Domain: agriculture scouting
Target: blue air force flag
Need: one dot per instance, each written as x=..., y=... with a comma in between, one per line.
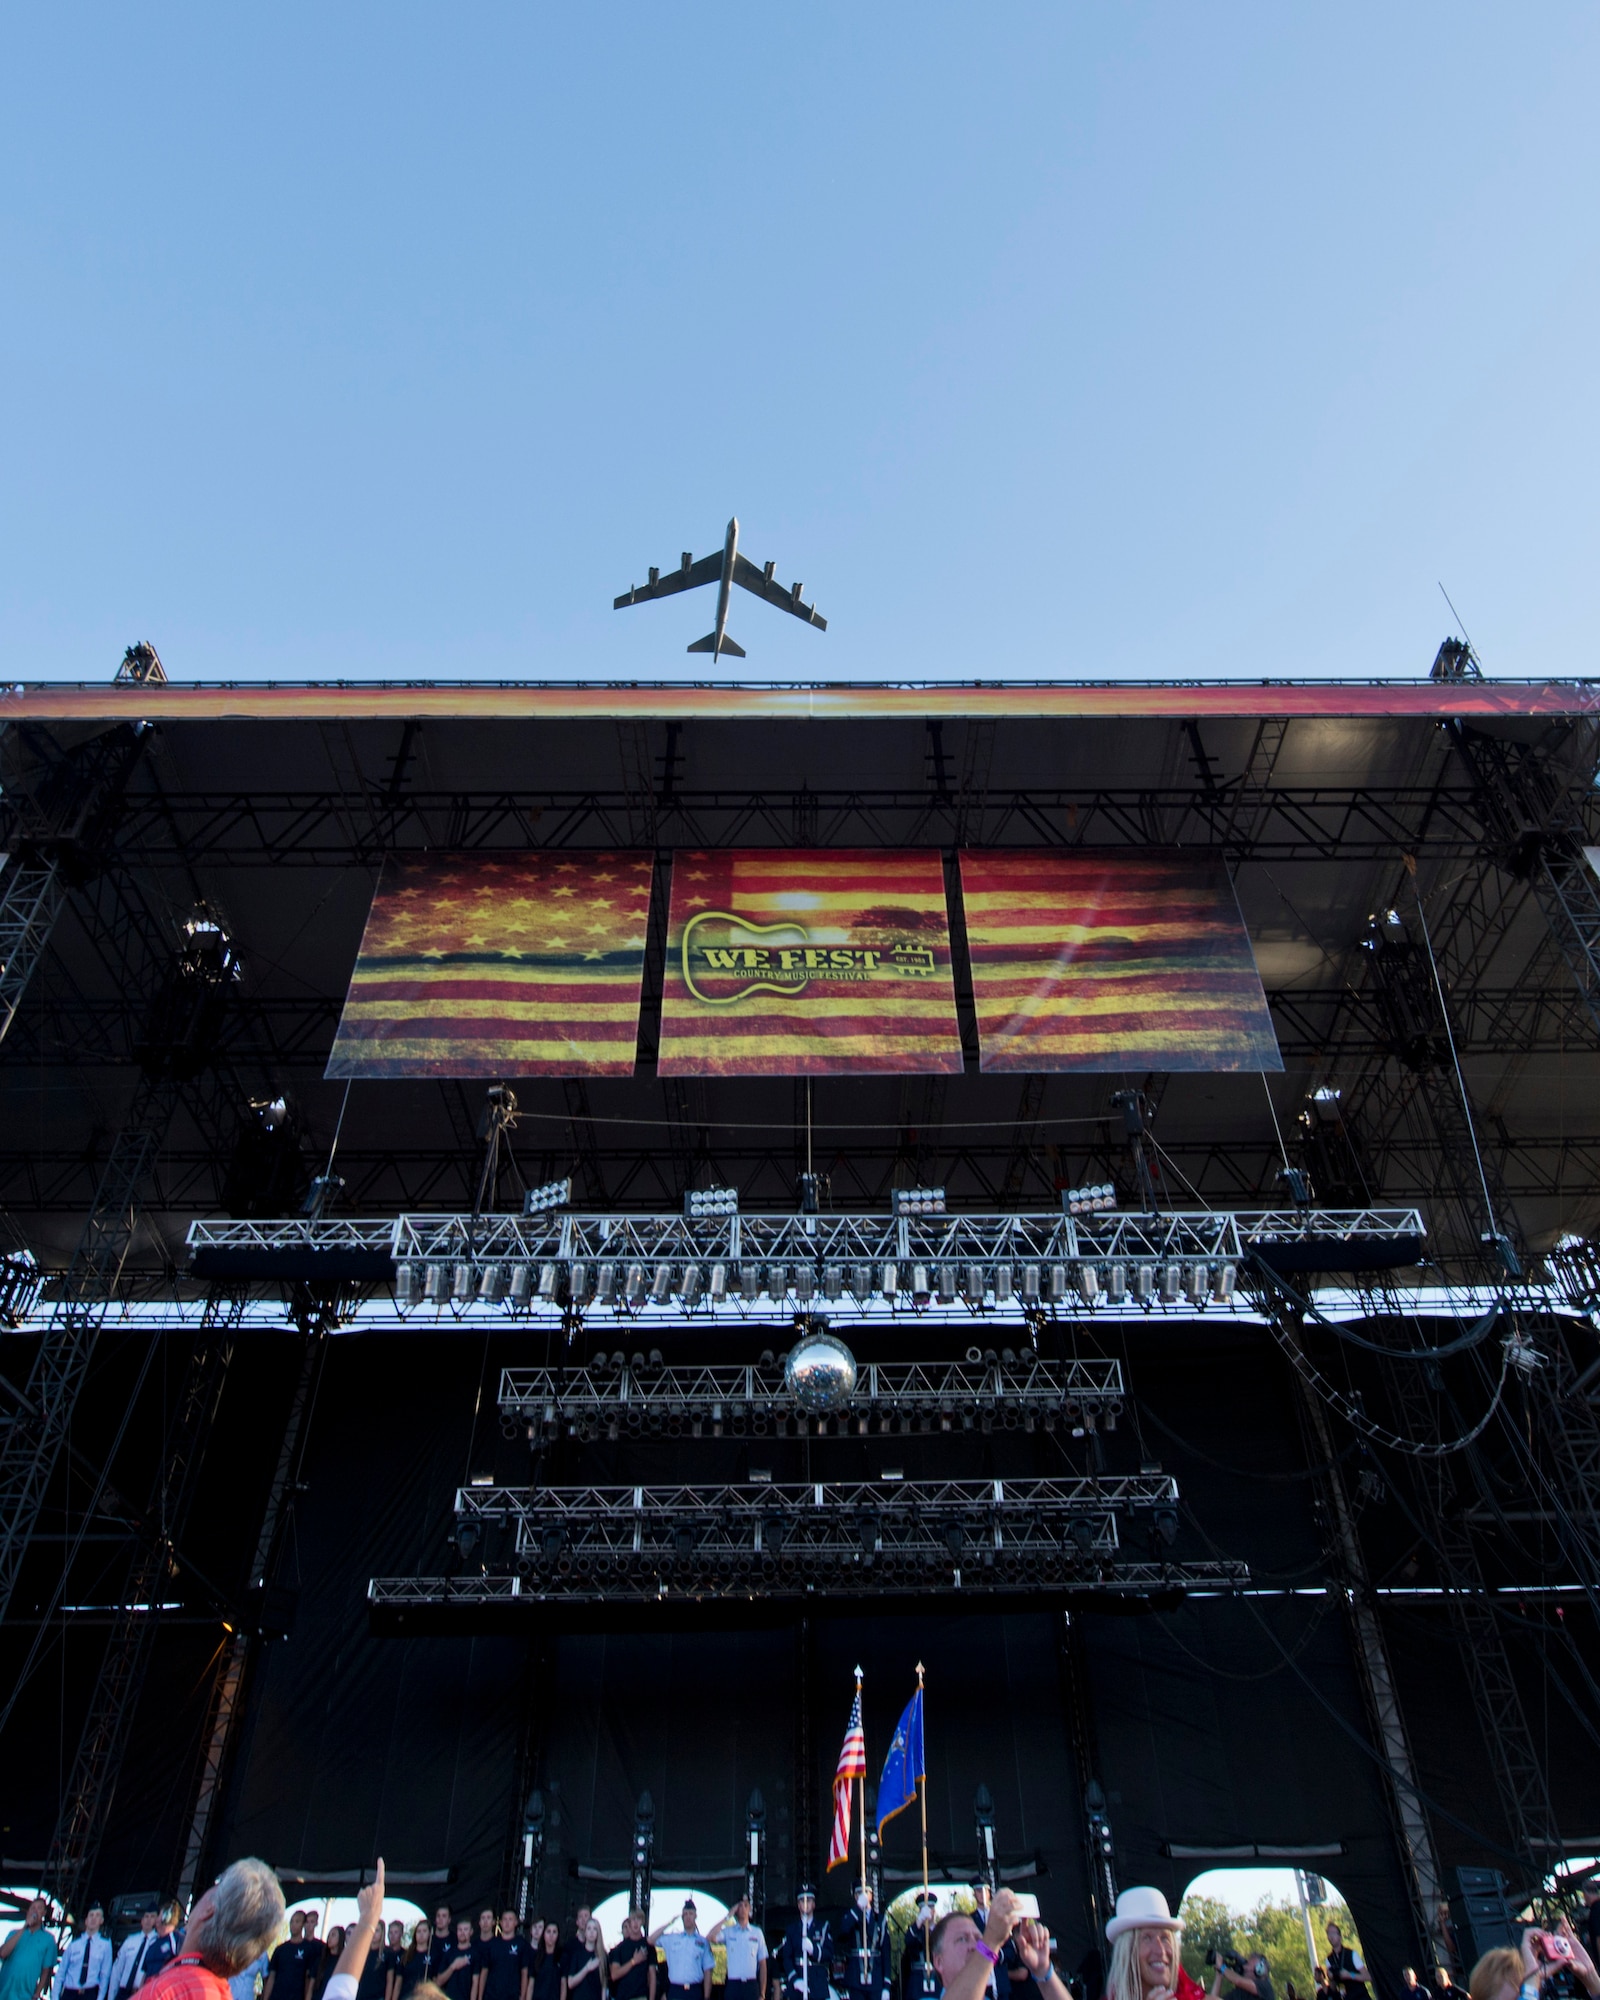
x=903, y=1766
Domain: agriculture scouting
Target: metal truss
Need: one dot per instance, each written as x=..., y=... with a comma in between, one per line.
x=773, y=1267
x=1536, y=803
x=1413, y=1834
x=125, y=1663
x=464, y=1596
x=286, y=1032
x=399, y=1177
x=226, y=1699
x=630, y=1398
x=586, y=1544
x=1519, y=1772
x=31, y=895
x=33, y=1441
x=319, y=828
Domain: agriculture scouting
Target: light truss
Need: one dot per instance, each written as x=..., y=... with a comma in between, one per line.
x=630, y=1397
x=394, y=1599
x=319, y=828
x=599, y=1544
x=289, y=1031
x=779, y=1267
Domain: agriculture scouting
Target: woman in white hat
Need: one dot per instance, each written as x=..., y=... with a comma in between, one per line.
x=1143, y=1936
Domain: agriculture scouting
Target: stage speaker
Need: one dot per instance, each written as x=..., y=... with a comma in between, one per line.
x=1482, y=1916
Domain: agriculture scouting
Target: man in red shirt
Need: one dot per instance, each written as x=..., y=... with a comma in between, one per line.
x=229, y=1928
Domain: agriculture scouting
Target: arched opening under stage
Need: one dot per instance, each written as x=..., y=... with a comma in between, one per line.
x=666, y=1906
x=1267, y=1909
x=902, y=1910
x=341, y=1910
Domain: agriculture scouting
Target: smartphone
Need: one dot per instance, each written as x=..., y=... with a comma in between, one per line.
x=1028, y=1906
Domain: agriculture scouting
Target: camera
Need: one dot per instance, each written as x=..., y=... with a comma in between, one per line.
x=1551, y=1948
x=1230, y=1959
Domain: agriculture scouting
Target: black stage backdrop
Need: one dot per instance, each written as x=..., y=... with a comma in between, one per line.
x=1223, y=1723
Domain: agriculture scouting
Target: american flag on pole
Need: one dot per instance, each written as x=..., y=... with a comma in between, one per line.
x=852, y=1765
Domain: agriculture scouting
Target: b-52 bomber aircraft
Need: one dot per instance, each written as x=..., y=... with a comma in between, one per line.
x=726, y=567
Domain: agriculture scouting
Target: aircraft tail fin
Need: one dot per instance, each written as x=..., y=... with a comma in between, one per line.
x=709, y=645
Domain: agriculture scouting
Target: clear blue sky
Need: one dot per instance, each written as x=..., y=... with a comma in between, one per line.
x=1071, y=340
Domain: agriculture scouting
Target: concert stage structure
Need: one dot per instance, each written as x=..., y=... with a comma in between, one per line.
x=426, y=1442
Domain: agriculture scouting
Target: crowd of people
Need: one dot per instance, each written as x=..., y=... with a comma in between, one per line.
x=234, y=1947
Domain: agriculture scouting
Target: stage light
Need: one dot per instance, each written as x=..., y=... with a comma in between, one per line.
x=1058, y=1283
x=890, y=1285
x=804, y=1283
x=947, y=1284
x=1198, y=1284
x=578, y=1283
x=1222, y=1285
x=700, y=1204
x=1144, y=1281
x=693, y=1284
x=1166, y=1524
x=809, y=1194
x=492, y=1285
x=606, y=1283
x=1298, y=1184
x=750, y=1281
x=974, y=1284
x=1171, y=1283
x=552, y=1194
x=778, y=1282
x=918, y=1201
x=461, y=1282
x=718, y=1286
x=921, y=1290
x=520, y=1284
x=833, y=1281
x=324, y=1189
x=661, y=1285
x=1032, y=1276
x=405, y=1284
x=435, y=1283
x=1117, y=1283
x=861, y=1281
x=1089, y=1200
x=466, y=1537
x=1004, y=1283
x=549, y=1281
x=1088, y=1283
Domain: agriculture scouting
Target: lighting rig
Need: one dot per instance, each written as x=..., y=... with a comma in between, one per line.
x=783, y=1267
x=887, y=1537
x=621, y=1395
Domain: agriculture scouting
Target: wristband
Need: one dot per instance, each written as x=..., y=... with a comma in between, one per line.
x=992, y=1956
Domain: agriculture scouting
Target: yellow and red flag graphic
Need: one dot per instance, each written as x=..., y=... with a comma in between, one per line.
x=808, y=962
x=499, y=965
x=1112, y=960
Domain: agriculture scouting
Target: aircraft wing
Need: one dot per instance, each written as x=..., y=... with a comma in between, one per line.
x=707, y=570
x=758, y=580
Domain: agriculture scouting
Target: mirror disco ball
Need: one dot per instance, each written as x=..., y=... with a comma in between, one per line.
x=820, y=1373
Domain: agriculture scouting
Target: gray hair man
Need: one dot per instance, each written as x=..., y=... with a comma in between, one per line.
x=233, y=1923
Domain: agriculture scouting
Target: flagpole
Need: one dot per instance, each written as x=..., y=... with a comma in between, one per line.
x=863, y=1785
x=922, y=1795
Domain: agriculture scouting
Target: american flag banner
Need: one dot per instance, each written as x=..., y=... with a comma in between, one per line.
x=808, y=962
x=852, y=1765
x=480, y=964
x=1105, y=960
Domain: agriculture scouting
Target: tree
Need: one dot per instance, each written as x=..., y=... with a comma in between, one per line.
x=1273, y=1929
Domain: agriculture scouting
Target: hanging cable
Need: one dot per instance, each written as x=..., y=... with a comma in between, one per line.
x=338, y=1127
x=1355, y=1416
x=1455, y=1059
